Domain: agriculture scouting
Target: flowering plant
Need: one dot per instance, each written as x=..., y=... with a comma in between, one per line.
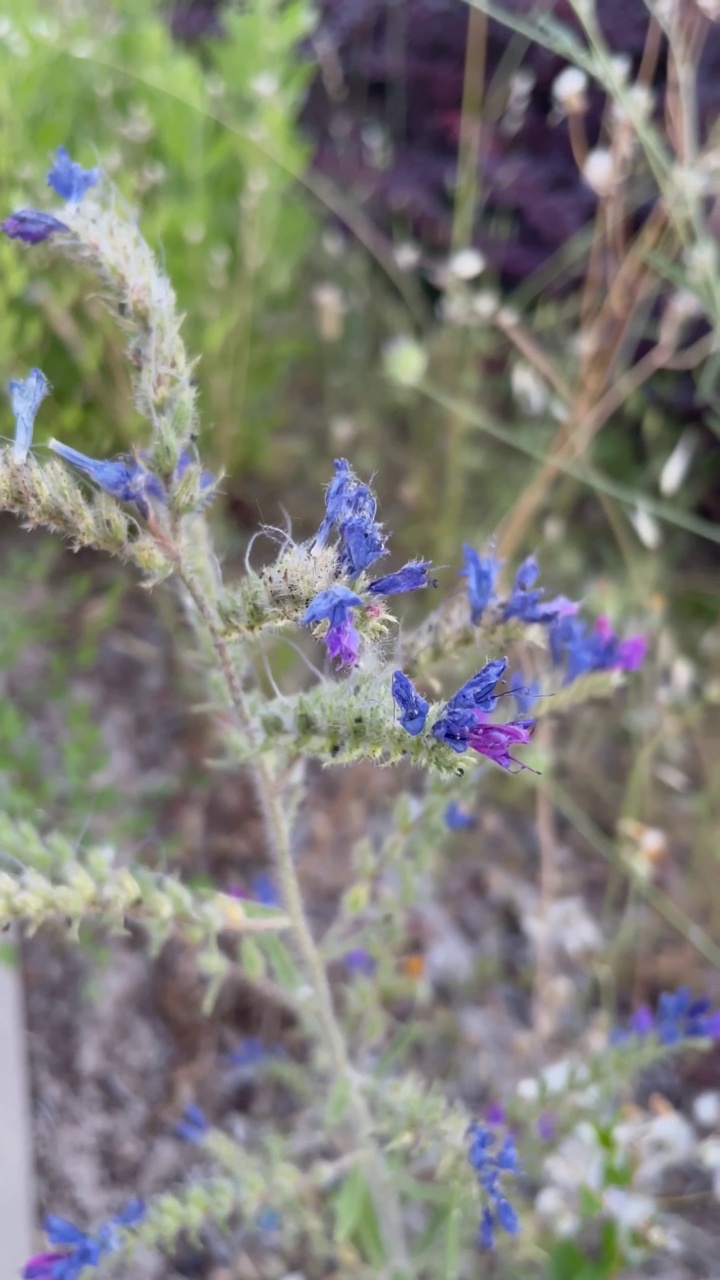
x=390, y=1138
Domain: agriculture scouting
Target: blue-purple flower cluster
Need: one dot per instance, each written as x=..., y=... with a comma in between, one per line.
x=463, y=722
x=72, y=1250
x=678, y=1017
x=572, y=645
x=70, y=181
x=350, y=509
x=490, y=1162
x=581, y=651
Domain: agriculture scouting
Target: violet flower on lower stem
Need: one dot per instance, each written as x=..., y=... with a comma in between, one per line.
x=335, y=605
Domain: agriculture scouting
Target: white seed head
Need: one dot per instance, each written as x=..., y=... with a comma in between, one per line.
x=569, y=91
x=647, y=528
x=529, y=391
x=678, y=464
x=466, y=264
x=599, y=171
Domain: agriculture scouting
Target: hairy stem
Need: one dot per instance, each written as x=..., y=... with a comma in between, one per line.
x=387, y=1206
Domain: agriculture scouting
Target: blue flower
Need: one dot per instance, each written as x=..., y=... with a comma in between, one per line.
x=264, y=890
x=268, y=1221
x=481, y=573
x=69, y=179
x=334, y=605
x=457, y=819
x=490, y=1163
x=413, y=707
x=31, y=226
x=526, y=604
x=250, y=1053
x=362, y=544
x=193, y=1126
x=464, y=723
x=460, y=717
x=345, y=498
x=409, y=578
x=678, y=1017
x=124, y=478
x=26, y=396
x=78, y=1249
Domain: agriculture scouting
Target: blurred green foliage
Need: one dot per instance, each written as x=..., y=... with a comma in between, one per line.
x=208, y=143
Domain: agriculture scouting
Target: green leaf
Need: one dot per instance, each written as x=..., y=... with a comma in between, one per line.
x=356, y=1221
x=252, y=959
x=337, y=1103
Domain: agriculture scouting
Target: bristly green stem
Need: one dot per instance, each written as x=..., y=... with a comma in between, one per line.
x=385, y=1200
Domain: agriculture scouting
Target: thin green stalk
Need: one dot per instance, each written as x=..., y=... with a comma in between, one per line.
x=385, y=1200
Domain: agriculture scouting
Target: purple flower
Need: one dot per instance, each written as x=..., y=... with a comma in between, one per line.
x=598, y=650
x=123, y=477
x=341, y=640
x=490, y=1162
x=495, y=740
x=358, y=960
x=42, y=1266
x=31, y=225
x=481, y=573
x=463, y=724
x=343, y=644
x=546, y=1126
x=495, y=1113
x=525, y=603
x=193, y=1126
x=458, y=820
x=409, y=578
x=362, y=544
x=26, y=396
x=413, y=707
x=69, y=179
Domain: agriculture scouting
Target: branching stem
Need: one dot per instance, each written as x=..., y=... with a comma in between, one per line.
x=387, y=1206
